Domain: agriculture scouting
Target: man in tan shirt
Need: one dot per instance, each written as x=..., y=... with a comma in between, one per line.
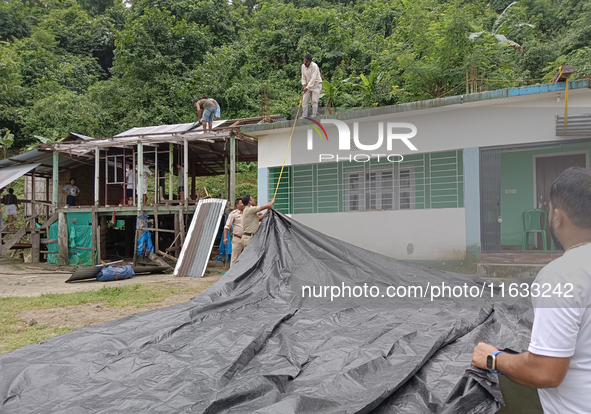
x=312, y=84
x=235, y=219
x=251, y=219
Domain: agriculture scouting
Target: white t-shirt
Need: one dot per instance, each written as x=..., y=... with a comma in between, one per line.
x=562, y=328
x=129, y=178
x=145, y=176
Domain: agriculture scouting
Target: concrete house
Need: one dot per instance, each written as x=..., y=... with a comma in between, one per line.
x=481, y=161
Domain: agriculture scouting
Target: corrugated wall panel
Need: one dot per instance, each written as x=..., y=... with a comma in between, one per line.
x=200, y=237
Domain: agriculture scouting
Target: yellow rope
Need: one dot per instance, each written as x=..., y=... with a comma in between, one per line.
x=565, y=103
x=287, y=151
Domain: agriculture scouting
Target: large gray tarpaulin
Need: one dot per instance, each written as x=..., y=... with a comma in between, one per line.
x=250, y=344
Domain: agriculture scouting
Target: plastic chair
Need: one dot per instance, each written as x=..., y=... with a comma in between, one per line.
x=533, y=224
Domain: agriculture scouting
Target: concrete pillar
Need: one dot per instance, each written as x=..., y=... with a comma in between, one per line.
x=472, y=202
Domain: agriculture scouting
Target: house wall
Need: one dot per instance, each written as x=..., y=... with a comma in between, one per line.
x=416, y=235
x=519, y=120
x=517, y=173
x=443, y=235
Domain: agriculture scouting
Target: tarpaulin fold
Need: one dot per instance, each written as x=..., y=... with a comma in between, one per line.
x=251, y=344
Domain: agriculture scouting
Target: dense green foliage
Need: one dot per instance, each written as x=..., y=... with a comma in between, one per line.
x=99, y=67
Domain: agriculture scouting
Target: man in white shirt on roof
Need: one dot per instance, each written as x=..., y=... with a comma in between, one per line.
x=558, y=361
x=312, y=84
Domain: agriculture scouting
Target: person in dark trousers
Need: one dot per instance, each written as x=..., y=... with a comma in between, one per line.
x=72, y=192
x=10, y=202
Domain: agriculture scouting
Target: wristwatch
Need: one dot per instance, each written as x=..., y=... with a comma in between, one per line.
x=491, y=362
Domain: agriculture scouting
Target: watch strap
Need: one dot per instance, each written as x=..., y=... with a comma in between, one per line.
x=494, y=371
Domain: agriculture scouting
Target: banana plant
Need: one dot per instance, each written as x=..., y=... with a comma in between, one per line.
x=6, y=141
x=499, y=30
x=369, y=86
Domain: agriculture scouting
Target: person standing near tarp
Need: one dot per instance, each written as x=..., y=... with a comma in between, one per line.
x=10, y=202
x=558, y=361
x=72, y=192
x=235, y=222
x=209, y=109
x=312, y=84
x=250, y=218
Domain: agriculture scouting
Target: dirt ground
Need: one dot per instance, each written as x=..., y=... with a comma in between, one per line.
x=18, y=279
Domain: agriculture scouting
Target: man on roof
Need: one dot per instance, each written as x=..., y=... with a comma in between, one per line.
x=209, y=108
x=312, y=84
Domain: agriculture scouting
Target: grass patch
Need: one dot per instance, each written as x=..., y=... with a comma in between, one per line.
x=15, y=333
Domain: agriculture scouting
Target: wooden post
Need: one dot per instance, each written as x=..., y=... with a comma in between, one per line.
x=226, y=178
x=46, y=196
x=194, y=182
x=62, y=240
x=176, y=234
x=35, y=235
x=134, y=176
x=156, y=181
x=97, y=171
x=186, y=171
x=98, y=244
x=156, y=234
x=94, y=234
x=170, y=169
x=104, y=228
x=232, y=168
x=56, y=177
x=182, y=226
x=140, y=176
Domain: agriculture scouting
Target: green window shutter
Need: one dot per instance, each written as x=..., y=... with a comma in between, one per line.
x=444, y=167
x=283, y=198
x=327, y=187
x=303, y=189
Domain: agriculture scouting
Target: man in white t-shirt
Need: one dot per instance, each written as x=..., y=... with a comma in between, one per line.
x=558, y=361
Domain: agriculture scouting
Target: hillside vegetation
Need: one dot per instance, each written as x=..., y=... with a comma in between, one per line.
x=99, y=67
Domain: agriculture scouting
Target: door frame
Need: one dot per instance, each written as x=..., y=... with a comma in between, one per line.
x=535, y=172
x=556, y=154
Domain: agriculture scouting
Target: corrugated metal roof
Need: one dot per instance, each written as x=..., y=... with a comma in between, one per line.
x=200, y=237
x=431, y=103
x=10, y=174
x=576, y=125
x=164, y=129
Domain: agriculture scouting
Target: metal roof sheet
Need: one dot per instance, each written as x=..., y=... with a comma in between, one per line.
x=164, y=129
x=197, y=247
x=431, y=103
x=10, y=174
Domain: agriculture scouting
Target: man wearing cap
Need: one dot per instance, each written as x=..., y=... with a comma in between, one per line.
x=235, y=221
x=312, y=84
x=250, y=217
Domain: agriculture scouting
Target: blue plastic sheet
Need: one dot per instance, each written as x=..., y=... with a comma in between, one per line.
x=110, y=273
